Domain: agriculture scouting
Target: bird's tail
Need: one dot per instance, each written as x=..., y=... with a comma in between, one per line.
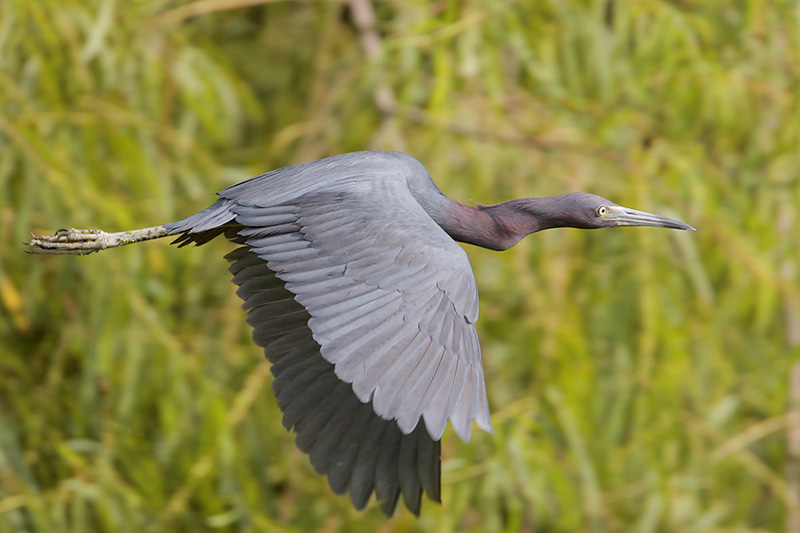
x=209, y=223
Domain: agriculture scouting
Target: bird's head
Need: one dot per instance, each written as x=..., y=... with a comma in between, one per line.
x=588, y=211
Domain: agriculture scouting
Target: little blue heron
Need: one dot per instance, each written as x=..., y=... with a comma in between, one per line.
x=365, y=305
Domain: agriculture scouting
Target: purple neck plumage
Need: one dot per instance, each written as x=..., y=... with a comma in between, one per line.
x=500, y=226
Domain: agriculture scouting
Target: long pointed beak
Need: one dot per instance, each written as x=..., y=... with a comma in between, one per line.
x=623, y=216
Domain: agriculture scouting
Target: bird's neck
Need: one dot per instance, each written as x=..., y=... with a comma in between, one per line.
x=496, y=227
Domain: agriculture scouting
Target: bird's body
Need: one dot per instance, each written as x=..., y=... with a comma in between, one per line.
x=366, y=306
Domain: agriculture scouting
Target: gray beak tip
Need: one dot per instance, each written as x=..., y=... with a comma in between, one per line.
x=631, y=217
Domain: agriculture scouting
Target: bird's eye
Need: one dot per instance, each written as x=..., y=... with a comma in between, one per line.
x=602, y=210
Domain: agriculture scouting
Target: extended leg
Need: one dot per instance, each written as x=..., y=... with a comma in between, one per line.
x=85, y=241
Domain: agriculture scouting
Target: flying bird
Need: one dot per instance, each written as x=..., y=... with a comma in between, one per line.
x=365, y=305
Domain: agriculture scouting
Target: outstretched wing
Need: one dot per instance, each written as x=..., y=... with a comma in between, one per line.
x=390, y=297
x=358, y=451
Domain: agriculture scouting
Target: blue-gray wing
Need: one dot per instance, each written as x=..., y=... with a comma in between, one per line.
x=388, y=296
x=357, y=450
x=391, y=296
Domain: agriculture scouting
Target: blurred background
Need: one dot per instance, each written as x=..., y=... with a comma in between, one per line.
x=639, y=379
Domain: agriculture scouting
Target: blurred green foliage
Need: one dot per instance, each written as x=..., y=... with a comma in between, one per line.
x=638, y=378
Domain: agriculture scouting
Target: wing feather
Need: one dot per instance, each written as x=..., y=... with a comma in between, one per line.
x=262, y=297
x=311, y=425
x=434, y=401
x=410, y=484
x=429, y=468
x=299, y=404
x=342, y=324
x=369, y=384
x=332, y=432
x=414, y=390
x=357, y=300
x=362, y=476
x=343, y=459
x=353, y=369
x=387, y=482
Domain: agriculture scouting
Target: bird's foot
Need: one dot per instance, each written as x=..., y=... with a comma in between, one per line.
x=69, y=241
x=85, y=241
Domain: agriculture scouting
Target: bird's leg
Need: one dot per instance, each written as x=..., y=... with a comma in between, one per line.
x=85, y=241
